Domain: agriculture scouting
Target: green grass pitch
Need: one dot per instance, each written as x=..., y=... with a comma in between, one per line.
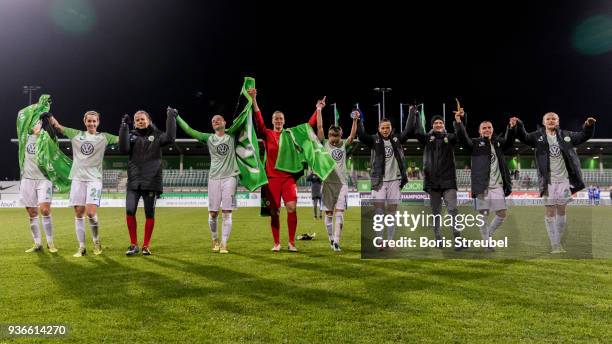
x=185, y=293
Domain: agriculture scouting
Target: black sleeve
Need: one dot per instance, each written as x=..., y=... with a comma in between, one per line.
x=462, y=136
x=124, y=139
x=508, y=139
x=580, y=137
x=170, y=135
x=363, y=136
x=522, y=135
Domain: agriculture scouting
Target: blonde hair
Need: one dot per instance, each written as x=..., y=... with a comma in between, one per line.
x=91, y=113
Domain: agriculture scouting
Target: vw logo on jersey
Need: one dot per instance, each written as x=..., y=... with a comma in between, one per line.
x=337, y=154
x=87, y=148
x=555, y=152
x=222, y=149
x=388, y=152
x=31, y=148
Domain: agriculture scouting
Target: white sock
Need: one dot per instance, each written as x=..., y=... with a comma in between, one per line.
x=390, y=232
x=484, y=232
x=79, y=224
x=93, y=226
x=35, y=231
x=561, y=225
x=495, y=223
x=380, y=211
x=338, y=227
x=551, y=228
x=226, y=228
x=329, y=225
x=48, y=228
x=212, y=223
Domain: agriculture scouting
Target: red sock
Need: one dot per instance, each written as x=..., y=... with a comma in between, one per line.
x=131, y=223
x=149, y=224
x=275, y=224
x=292, y=226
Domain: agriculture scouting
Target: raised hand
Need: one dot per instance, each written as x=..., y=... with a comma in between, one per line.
x=171, y=112
x=459, y=114
x=590, y=121
x=321, y=103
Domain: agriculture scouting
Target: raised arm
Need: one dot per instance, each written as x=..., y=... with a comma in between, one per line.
x=510, y=134
x=312, y=121
x=353, y=133
x=56, y=124
x=124, y=135
x=260, y=125
x=522, y=135
x=460, y=131
x=363, y=136
x=169, y=135
x=408, y=128
x=198, y=135
x=319, y=114
x=588, y=129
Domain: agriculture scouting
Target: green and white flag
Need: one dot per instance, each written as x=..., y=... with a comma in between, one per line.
x=300, y=145
x=336, y=115
x=252, y=171
x=53, y=163
x=422, y=118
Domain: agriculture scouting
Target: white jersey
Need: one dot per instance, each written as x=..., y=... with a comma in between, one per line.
x=88, y=153
x=339, y=156
x=30, y=163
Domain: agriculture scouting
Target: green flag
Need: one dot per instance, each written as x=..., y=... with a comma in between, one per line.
x=422, y=118
x=53, y=163
x=26, y=119
x=336, y=115
x=252, y=171
x=300, y=144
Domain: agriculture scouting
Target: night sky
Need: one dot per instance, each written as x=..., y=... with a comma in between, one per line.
x=500, y=59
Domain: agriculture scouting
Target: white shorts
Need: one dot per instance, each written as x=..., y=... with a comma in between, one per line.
x=559, y=193
x=329, y=196
x=83, y=193
x=33, y=192
x=222, y=193
x=492, y=200
x=389, y=191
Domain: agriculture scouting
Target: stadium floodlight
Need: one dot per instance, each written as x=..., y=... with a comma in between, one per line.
x=28, y=89
x=383, y=90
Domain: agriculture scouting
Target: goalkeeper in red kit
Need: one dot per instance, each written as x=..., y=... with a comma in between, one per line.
x=281, y=184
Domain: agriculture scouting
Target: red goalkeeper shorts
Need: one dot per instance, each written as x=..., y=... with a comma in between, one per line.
x=281, y=187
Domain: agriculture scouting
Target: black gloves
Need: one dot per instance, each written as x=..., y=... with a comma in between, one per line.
x=171, y=112
x=125, y=120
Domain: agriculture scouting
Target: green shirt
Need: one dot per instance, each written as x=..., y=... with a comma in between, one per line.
x=88, y=153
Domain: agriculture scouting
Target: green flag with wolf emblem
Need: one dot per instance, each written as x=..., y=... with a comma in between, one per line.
x=53, y=163
x=300, y=144
x=252, y=171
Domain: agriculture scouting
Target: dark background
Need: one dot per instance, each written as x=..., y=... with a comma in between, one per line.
x=500, y=59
